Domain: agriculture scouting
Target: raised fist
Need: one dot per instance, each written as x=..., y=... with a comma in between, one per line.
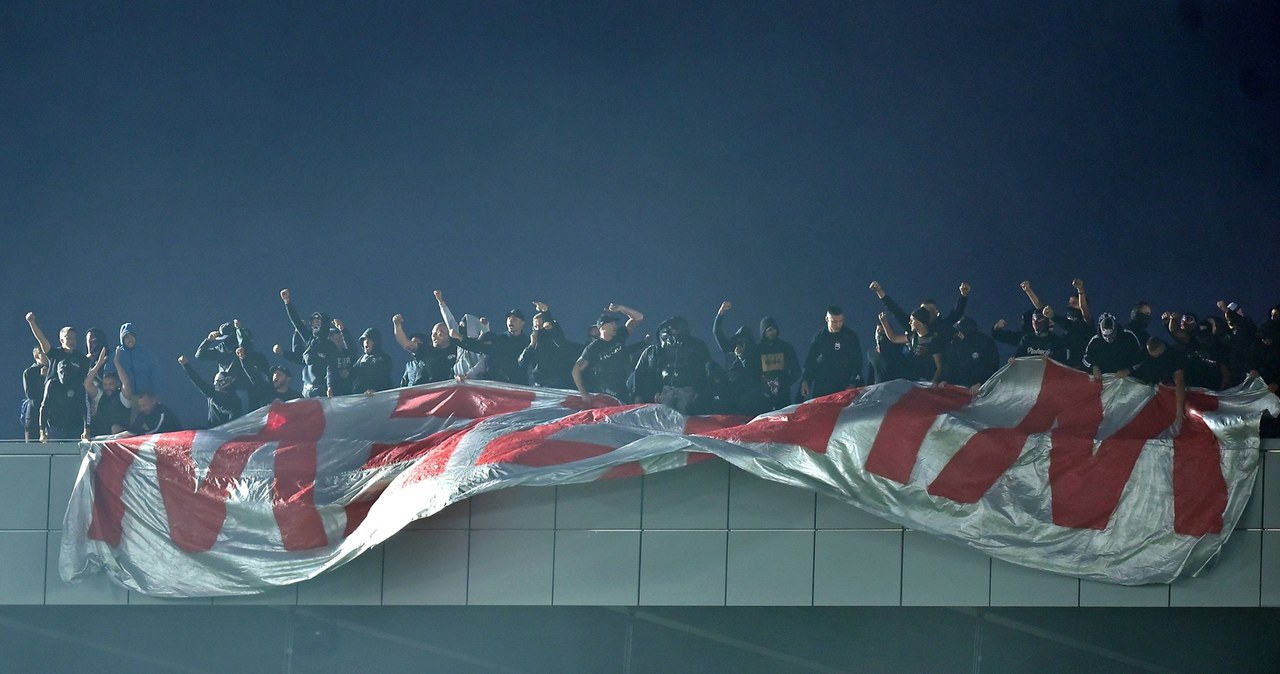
x=284, y=295
x=612, y=307
x=540, y=306
x=31, y=317
x=883, y=315
x=484, y=321
x=1000, y=324
x=964, y=289
x=278, y=350
x=1025, y=285
x=1047, y=312
x=240, y=352
x=236, y=324
x=1077, y=284
x=725, y=306
x=398, y=319
x=182, y=360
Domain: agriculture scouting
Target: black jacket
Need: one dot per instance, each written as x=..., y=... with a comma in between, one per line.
x=834, y=362
x=223, y=405
x=678, y=359
x=550, y=362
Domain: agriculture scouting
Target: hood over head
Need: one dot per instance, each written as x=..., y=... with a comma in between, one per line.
x=325, y=324
x=766, y=323
x=374, y=335
x=1107, y=327
x=127, y=329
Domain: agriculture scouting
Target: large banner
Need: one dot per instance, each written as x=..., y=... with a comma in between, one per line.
x=1042, y=467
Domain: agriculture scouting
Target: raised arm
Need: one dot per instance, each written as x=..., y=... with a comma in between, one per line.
x=397, y=329
x=962, y=303
x=1031, y=295
x=294, y=318
x=37, y=332
x=207, y=348
x=718, y=330
x=888, y=330
x=890, y=305
x=91, y=379
x=205, y=387
x=446, y=315
x=633, y=317
x=1082, y=299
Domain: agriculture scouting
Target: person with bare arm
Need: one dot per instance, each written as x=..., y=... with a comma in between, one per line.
x=605, y=360
x=431, y=358
x=109, y=410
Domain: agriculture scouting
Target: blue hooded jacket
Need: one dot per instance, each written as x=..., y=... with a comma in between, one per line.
x=138, y=363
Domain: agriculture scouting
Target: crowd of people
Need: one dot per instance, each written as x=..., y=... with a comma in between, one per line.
x=75, y=393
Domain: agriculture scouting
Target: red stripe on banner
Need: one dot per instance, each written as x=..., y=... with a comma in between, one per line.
x=1085, y=485
x=468, y=402
x=435, y=459
x=705, y=425
x=1199, y=489
x=106, y=522
x=382, y=455
x=293, y=490
x=897, y=445
x=356, y=511
x=196, y=514
x=1067, y=396
x=810, y=425
x=535, y=447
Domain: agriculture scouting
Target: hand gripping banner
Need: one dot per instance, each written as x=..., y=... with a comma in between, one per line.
x=1042, y=467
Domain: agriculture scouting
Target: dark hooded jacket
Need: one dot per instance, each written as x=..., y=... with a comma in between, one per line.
x=319, y=354
x=64, y=409
x=503, y=351
x=1077, y=334
x=252, y=375
x=971, y=357
x=1121, y=352
x=740, y=387
x=550, y=362
x=224, y=404
x=371, y=371
x=779, y=366
x=678, y=359
x=100, y=336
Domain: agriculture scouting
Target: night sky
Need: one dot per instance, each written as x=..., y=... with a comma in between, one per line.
x=175, y=164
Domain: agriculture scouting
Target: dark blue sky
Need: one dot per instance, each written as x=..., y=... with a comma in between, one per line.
x=176, y=164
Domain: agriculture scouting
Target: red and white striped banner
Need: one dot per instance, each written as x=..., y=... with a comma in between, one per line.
x=1043, y=467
